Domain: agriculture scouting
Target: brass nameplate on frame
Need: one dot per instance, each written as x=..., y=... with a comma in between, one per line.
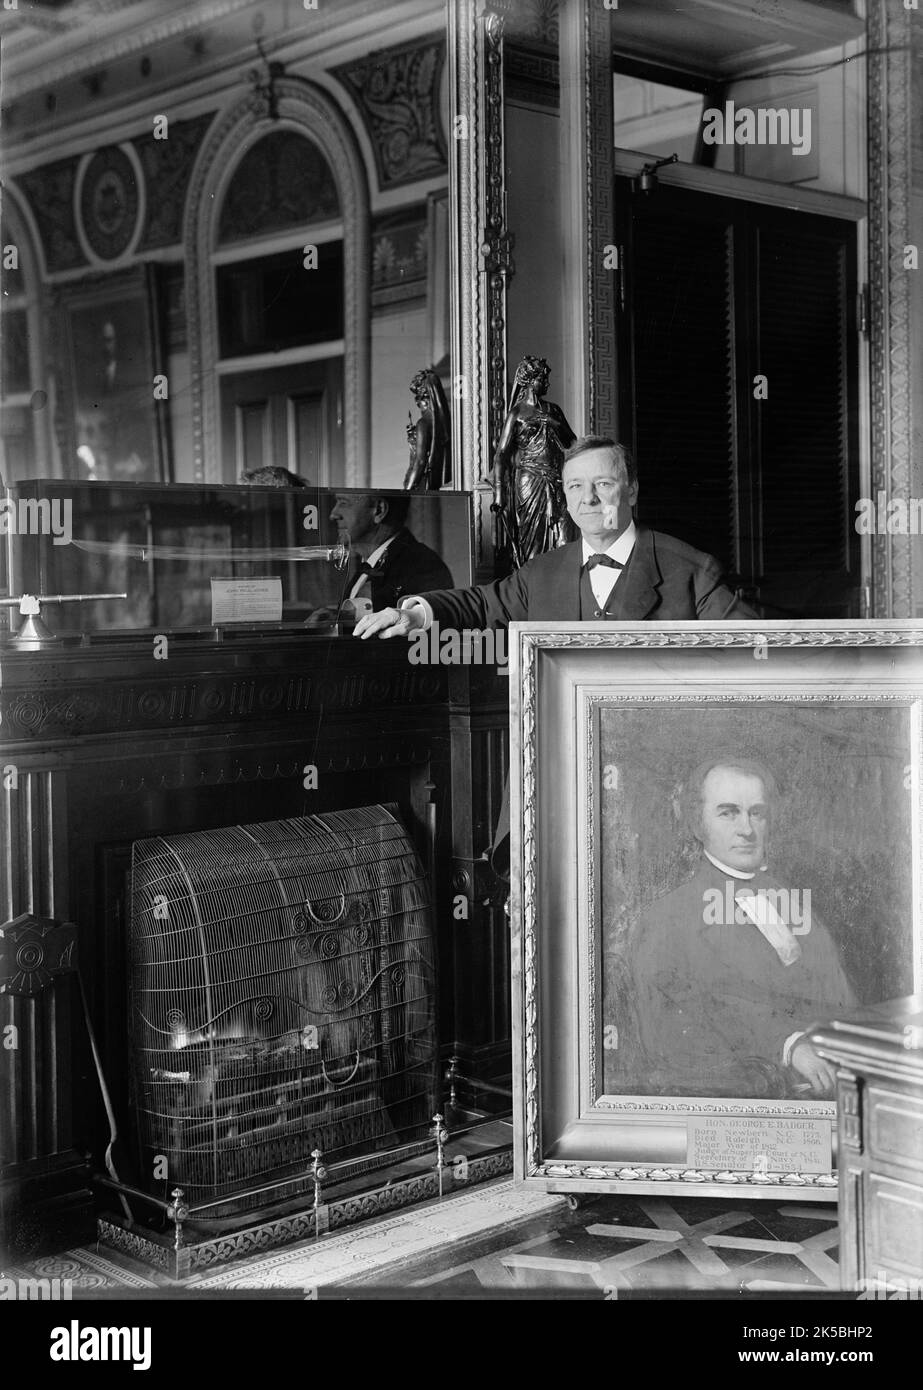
x=754, y=1144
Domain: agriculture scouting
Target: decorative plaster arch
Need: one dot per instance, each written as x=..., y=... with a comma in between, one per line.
x=19, y=214
x=309, y=110
x=25, y=234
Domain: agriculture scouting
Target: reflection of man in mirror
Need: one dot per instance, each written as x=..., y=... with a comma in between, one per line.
x=731, y=968
x=386, y=560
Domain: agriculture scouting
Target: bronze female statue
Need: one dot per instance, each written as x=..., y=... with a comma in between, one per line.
x=430, y=438
x=527, y=466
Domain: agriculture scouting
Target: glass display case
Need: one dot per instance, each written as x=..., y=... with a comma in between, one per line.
x=171, y=550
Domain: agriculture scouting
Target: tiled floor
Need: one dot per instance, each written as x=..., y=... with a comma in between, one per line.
x=655, y=1247
x=501, y=1239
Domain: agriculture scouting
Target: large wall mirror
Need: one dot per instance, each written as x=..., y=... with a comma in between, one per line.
x=226, y=238
x=281, y=214
x=606, y=221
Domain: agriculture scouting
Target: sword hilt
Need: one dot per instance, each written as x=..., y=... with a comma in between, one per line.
x=34, y=632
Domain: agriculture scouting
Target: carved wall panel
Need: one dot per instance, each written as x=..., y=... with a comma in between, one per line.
x=70, y=710
x=167, y=166
x=400, y=245
x=33, y=950
x=37, y=955
x=109, y=202
x=49, y=191
x=396, y=92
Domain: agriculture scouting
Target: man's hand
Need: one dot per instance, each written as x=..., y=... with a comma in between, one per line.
x=320, y=620
x=807, y=1063
x=389, y=622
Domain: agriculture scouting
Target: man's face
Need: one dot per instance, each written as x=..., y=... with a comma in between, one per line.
x=735, y=818
x=355, y=517
x=598, y=495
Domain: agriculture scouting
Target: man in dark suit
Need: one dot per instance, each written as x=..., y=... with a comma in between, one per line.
x=616, y=571
x=731, y=968
x=387, y=561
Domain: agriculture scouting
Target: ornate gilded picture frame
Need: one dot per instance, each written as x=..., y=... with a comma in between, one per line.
x=716, y=845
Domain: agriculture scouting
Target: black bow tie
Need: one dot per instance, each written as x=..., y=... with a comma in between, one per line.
x=595, y=560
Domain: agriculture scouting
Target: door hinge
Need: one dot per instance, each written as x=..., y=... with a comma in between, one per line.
x=862, y=311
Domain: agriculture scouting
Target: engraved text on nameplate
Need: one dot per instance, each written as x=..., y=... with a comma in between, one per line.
x=796, y=1144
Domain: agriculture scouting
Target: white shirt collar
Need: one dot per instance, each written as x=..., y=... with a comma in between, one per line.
x=726, y=869
x=620, y=549
x=379, y=551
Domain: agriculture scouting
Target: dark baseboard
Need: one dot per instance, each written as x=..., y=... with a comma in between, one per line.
x=45, y=1205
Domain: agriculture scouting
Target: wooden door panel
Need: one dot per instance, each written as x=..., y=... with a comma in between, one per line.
x=290, y=417
x=306, y=434
x=252, y=437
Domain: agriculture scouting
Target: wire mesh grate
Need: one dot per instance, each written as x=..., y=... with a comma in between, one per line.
x=282, y=988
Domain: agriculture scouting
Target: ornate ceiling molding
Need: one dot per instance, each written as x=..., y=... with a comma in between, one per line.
x=121, y=44
x=310, y=111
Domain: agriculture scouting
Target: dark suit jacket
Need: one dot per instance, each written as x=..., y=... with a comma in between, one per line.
x=666, y=580
x=713, y=1004
x=407, y=567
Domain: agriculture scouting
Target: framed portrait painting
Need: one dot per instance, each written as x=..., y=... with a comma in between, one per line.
x=716, y=848
x=112, y=411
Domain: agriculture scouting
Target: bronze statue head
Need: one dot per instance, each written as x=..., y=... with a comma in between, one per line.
x=421, y=384
x=533, y=371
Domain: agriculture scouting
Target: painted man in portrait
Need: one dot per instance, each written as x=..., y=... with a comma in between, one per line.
x=730, y=969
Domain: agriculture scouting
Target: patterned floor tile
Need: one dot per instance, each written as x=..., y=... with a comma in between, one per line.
x=654, y=1246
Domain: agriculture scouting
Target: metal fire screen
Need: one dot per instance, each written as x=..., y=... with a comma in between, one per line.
x=282, y=997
